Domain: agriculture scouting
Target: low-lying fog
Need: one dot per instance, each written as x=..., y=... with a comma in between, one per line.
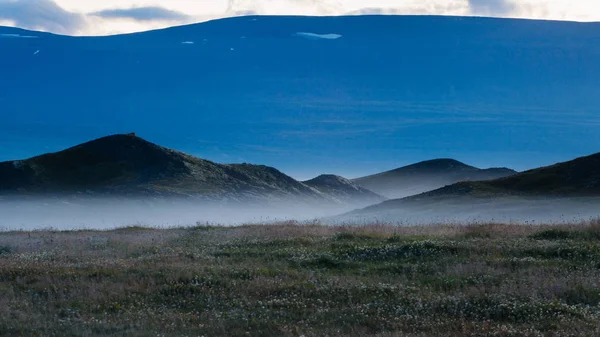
x=479, y=210
x=67, y=214
x=61, y=214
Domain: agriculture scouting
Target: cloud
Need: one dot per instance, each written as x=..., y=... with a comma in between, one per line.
x=286, y=7
x=428, y=7
x=41, y=15
x=491, y=7
x=581, y=10
x=143, y=14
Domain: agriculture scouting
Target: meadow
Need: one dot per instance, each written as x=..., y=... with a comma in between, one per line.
x=293, y=279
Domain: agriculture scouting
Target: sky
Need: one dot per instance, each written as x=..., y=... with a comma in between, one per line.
x=107, y=17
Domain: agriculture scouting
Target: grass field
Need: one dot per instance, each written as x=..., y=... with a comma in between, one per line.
x=294, y=280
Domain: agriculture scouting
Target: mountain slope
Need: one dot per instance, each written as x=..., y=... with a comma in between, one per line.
x=564, y=192
x=575, y=178
x=389, y=87
x=427, y=176
x=129, y=165
x=344, y=190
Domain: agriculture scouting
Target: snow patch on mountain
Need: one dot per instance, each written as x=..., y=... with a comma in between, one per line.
x=313, y=36
x=17, y=36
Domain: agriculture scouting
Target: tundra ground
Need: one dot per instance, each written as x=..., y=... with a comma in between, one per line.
x=291, y=280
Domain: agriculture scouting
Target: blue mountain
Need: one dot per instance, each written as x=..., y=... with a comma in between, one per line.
x=350, y=95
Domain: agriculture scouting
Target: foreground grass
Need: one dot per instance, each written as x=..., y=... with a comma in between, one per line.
x=293, y=280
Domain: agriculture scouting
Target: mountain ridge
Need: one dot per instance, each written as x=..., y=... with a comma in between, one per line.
x=252, y=17
x=425, y=176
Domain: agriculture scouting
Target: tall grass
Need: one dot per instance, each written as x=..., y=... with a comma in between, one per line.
x=290, y=279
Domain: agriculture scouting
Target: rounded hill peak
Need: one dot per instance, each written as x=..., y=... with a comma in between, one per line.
x=330, y=179
x=441, y=162
x=437, y=165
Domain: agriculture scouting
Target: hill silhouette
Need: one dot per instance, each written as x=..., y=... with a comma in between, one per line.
x=426, y=176
x=575, y=178
x=129, y=165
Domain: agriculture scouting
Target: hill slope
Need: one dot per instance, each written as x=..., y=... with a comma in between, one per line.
x=575, y=178
x=129, y=165
x=427, y=176
x=439, y=82
x=344, y=190
x=559, y=193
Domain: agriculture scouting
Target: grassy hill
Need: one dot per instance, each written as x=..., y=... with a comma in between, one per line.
x=129, y=165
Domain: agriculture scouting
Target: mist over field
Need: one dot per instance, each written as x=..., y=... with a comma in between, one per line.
x=464, y=210
x=110, y=213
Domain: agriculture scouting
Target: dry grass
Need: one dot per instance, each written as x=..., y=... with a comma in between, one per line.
x=292, y=279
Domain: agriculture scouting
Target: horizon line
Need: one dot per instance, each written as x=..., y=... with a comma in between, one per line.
x=309, y=16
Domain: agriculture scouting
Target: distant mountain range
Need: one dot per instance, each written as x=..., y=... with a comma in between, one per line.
x=426, y=176
x=127, y=166
x=569, y=189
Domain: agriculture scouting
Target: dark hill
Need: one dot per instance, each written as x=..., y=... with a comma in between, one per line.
x=568, y=191
x=576, y=178
x=344, y=190
x=109, y=161
x=129, y=165
x=427, y=176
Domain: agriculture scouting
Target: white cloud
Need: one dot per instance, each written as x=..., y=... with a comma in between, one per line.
x=7, y=23
x=575, y=10
x=189, y=7
x=77, y=17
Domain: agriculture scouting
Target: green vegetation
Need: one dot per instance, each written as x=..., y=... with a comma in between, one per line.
x=294, y=280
